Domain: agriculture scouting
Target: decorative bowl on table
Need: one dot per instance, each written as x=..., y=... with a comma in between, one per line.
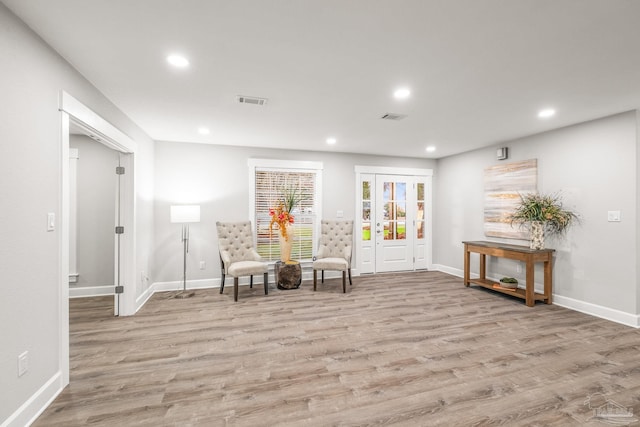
x=509, y=283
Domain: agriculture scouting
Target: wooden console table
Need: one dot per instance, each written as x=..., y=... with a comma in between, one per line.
x=520, y=253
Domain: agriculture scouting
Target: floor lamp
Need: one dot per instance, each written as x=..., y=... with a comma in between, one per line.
x=185, y=214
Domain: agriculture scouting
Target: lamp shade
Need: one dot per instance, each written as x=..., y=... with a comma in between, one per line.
x=185, y=213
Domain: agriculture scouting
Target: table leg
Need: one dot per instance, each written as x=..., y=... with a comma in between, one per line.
x=483, y=266
x=467, y=260
x=548, y=281
x=529, y=292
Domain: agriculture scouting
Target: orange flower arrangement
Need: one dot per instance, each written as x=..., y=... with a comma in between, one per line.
x=280, y=217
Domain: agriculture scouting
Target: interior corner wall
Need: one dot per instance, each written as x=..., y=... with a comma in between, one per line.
x=594, y=166
x=217, y=178
x=31, y=78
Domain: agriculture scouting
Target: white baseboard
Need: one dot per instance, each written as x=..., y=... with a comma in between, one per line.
x=191, y=284
x=91, y=291
x=144, y=297
x=215, y=283
x=174, y=286
x=627, y=319
x=449, y=270
x=30, y=410
x=614, y=315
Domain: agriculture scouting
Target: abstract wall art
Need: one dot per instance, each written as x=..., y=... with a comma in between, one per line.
x=503, y=185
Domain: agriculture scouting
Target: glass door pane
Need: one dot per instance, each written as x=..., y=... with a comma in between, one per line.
x=365, y=224
x=366, y=210
x=394, y=197
x=420, y=224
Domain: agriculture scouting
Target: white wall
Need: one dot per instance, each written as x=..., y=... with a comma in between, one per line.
x=594, y=166
x=217, y=178
x=96, y=196
x=31, y=78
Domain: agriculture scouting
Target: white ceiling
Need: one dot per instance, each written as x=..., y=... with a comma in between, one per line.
x=478, y=70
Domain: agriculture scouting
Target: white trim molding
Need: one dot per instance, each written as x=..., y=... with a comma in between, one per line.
x=95, y=126
x=602, y=312
x=90, y=291
x=449, y=270
x=295, y=166
x=277, y=164
x=307, y=281
x=385, y=170
x=30, y=410
x=72, y=110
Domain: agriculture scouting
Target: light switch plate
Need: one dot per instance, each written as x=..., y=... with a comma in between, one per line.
x=23, y=363
x=613, y=216
x=51, y=221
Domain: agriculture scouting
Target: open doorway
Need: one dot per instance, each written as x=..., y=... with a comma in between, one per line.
x=93, y=216
x=74, y=112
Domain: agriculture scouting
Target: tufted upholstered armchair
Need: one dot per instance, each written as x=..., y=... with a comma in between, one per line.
x=334, y=250
x=238, y=256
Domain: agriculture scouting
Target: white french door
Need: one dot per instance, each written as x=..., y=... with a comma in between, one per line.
x=394, y=234
x=394, y=224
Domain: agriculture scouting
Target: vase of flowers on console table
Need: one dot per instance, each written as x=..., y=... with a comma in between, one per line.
x=544, y=215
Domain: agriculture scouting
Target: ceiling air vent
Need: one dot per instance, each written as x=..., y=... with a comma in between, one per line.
x=393, y=116
x=251, y=100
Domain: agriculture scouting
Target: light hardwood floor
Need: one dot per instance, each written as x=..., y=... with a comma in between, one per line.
x=407, y=349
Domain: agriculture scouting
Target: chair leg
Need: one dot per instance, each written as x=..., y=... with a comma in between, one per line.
x=349, y=270
x=315, y=279
x=222, y=284
x=266, y=283
x=251, y=281
x=344, y=282
x=322, y=276
x=235, y=289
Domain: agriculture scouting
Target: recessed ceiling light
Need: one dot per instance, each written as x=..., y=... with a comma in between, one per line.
x=431, y=149
x=178, y=61
x=402, y=93
x=204, y=131
x=331, y=141
x=545, y=114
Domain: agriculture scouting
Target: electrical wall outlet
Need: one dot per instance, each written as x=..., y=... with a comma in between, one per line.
x=203, y=265
x=518, y=268
x=340, y=214
x=23, y=363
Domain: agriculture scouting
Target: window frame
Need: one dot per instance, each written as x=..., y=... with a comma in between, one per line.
x=292, y=166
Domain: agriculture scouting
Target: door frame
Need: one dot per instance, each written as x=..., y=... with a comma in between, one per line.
x=104, y=132
x=427, y=174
